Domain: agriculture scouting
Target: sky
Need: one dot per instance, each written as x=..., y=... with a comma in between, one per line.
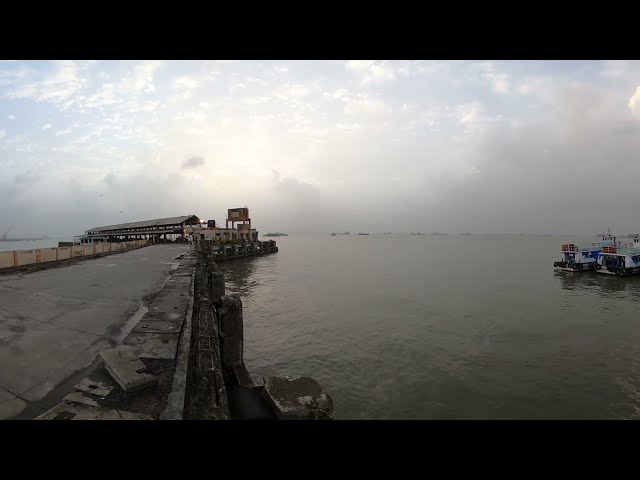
x=549, y=147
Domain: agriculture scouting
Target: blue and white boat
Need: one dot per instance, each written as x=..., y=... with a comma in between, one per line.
x=583, y=257
x=622, y=259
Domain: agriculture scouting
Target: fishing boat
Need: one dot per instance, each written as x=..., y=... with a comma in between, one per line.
x=583, y=257
x=620, y=260
x=363, y=234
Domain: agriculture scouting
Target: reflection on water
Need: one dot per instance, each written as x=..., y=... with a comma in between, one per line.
x=598, y=283
x=238, y=275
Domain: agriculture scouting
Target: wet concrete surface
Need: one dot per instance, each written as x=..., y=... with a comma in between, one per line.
x=54, y=323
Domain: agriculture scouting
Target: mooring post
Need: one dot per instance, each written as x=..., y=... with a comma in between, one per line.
x=231, y=330
x=217, y=288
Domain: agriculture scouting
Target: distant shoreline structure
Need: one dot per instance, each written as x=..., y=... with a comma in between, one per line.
x=277, y=234
x=33, y=239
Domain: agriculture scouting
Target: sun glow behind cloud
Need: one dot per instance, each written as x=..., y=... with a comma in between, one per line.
x=463, y=146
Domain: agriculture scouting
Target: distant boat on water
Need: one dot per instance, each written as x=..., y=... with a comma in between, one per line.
x=277, y=234
x=332, y=234
x=416, y=233
x=363, y=234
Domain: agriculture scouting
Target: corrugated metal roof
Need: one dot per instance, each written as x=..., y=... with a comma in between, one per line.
x=159, y=222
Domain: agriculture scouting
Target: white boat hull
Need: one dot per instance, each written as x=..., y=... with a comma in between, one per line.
x=584, y=269
x=635, y=271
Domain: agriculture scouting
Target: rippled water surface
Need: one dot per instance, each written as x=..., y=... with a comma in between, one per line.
x=443, y=327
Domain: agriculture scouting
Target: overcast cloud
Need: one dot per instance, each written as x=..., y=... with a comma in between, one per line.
x=478, y=146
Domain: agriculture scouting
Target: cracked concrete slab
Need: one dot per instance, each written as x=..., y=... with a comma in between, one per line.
x=88, y=385
x=65, y=411
x=163, y=317
x=11, y=408
x=37, y=306
x=154, y=345
x=77, y=397
x=96, y=319
x=157, y=327
x=125, y=367
x=79, y=362
x=12, y=323
x=82, y=301
x=28, y=358
x=5, y=395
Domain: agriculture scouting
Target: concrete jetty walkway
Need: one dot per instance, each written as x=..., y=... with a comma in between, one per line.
x=54, y=323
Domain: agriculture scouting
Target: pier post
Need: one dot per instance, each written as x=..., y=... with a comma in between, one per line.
x=231, y=330
x=205, y=397
x=217, y=288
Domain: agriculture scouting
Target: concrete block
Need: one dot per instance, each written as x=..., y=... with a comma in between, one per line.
x=87, y=250
x=299, y=398
x=170, y=301
x=97, y=388
x=48, y=255
x=6, y=259
x=77, y=251
x=24, y=257
x=77, y=397
x=63, y=253
x=125, y=367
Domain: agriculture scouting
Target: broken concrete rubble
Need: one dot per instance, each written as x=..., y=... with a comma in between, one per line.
x=125, y=367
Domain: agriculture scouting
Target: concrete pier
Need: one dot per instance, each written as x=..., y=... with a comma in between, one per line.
x=55, y=322
x=149, y=334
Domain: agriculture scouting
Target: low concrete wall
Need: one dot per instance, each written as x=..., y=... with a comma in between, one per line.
x=21, y=258
x=24, y=257
x=6, y=259
x=48, y=255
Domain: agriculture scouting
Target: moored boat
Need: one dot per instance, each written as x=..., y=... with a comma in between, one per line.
x=620, y=260
x=583, y=257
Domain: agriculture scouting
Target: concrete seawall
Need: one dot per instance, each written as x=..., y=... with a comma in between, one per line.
x=184, y=358
x=38, y=259
x=230, y=251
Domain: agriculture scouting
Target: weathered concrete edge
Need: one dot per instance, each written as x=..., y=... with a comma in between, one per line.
x=37, y=267
x=175, y=400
